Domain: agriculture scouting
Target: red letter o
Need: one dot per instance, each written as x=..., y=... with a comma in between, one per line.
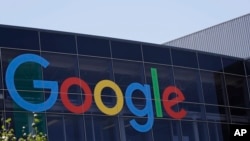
x=65, y=99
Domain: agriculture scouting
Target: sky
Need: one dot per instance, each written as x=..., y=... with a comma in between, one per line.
x=153, y=21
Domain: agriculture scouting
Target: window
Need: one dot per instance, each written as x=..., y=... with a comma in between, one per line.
x=125, y=50
x=60, y=68
x=184, y=58
x=213, y=88
x=218, y=132
x=19, y=38
x=247, y=64
x=234, y=66
x=56, y=127
x=194, y=131
x=132, y=134
x=188, y=81
x=127, y=72
x=163, y=130
x=57, y=42
x=210, y=62
x=240, y=115
x=217, y=113
x=165, y=77
x=93, y=70
x=25, y=73
x=194, y=111
x=93, y=46
x=106, y=128
x=74, y=128
x=156, y=54
x=237, y=91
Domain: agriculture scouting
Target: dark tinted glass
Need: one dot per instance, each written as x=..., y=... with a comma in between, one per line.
x=218, y=132
x=210, y=62
x=184, y=58
x=25, y=73
x=106, y=128
x=74, y=128
x=162, y=130
x=217, y=113
x=19, y=38
x=132, y=134
x=56, y=128
x=2, y=100
x=60, y=68
x=127, y=72
x=188, y=81
x=93, y=46
x=58, y=42
x=93, y=70
x=213, y=87
x=59, y=107
x=29, y=96
x=156, y=54
x=237, y=91
x=194, y=131
x=240, y=115
x=165, y=77
x=247, y=64
x=234, y=66
x=194, y=111
x=124, y=50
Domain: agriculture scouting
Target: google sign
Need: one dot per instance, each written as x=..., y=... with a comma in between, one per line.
x=147, y=111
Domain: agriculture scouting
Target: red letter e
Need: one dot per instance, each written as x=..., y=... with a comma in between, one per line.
x=168, y=104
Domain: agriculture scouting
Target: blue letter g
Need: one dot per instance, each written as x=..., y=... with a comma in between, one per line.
x=9, y=80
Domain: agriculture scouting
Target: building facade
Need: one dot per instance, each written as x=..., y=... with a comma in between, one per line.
x=90, y=88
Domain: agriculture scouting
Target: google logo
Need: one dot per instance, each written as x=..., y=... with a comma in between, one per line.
x=147, y=111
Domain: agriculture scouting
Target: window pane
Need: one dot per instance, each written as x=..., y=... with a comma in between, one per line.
x=194, y=131
x=184, y=58
x=74, y=128
x=2, y=100
x=58, y=42
x=125, y=50
x=19, y=38
x=213, y=88
x=55, y=127
x=218, y=132
x=162, y=130
x=93, y=46
x=156, y=54
x=210, y=62
x=194, y=111
x=237, y=91
x=234, y=66
x=188, y=81
x=89, y=128
x=165, y=76
x=106, y=128
x=60, y=68
x=25, y=73
x=240, y=115
x=247, y=64
x=59, y=107
x=132, y=134
x=217, y=113
x=128, y=72
x=93, y=70
x=30, y=96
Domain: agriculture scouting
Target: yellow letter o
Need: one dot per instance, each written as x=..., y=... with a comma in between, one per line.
x=98, y=100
